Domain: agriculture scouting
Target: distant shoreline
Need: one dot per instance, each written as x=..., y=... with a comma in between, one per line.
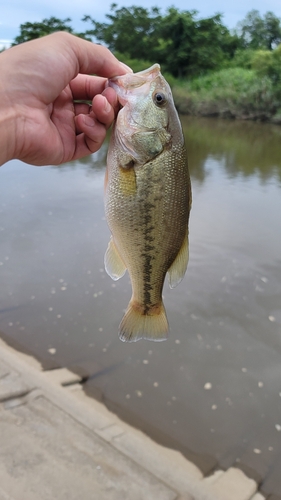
x=213, y=110
x=232, y=93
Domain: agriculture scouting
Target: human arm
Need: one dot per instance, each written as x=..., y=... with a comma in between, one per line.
x=40, y=121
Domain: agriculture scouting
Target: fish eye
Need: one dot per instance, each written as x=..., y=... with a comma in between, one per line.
x=159, y=98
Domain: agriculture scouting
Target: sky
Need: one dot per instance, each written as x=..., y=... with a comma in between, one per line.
x=16, y=12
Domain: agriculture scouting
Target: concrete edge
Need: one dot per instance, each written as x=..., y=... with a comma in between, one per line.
x=62, y=388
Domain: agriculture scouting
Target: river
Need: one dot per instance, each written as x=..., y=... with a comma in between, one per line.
x=213, y=389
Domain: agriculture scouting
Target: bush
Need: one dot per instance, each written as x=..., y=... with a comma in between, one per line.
x=243, y=58
x=233, y=92
x=268, y=63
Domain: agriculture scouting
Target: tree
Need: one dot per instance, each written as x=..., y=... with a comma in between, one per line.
x=194, y=46
x=272, y=26
x=181, y=43
x=260, y=33
x=213, y=44
x=177, y=34
x=31, y=31
x=131, y=30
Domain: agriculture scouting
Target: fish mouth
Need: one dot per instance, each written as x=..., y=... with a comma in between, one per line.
x=130, y=81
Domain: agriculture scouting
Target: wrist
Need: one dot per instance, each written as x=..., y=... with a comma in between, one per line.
x=8, y=114
x=7, y=133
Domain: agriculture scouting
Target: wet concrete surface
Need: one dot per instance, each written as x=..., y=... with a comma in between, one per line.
x=213, y=389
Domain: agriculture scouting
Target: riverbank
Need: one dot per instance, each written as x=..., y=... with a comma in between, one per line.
x=76, y=447
x=249, y=91
x=233, y=93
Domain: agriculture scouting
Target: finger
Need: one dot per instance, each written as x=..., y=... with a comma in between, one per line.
x=84, y=87
x=91, y=138
x=102, y=110
x=81, y=109
x=112, y=98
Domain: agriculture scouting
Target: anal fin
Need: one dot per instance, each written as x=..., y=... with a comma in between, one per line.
x=177, y=270
x=113, y=262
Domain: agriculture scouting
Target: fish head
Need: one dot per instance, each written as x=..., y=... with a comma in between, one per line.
x=143, y=97
x=147, y=118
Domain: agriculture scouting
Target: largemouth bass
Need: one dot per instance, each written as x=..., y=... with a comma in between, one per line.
x=147, y=199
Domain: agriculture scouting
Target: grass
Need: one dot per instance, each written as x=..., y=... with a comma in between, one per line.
x=231, y=93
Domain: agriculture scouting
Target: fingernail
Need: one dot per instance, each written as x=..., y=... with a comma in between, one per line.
x=89, y=122
x=107, y=106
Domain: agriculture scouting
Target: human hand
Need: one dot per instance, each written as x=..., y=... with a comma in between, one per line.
x=40, y=122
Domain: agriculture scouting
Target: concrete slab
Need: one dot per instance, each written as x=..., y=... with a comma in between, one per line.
x=234, y=485
x=30, y=360
x=11, y=383
x=63, y=376
x=44, y=453
x=4, y=370
x=55, y=442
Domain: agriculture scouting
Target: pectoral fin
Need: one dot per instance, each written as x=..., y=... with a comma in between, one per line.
x=177, y=270
x=147, y=145
x=113, y=262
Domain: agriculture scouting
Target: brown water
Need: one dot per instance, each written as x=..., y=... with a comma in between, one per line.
x=213, y=389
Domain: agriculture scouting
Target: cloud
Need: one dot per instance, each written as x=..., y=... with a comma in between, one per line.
x=5, y=44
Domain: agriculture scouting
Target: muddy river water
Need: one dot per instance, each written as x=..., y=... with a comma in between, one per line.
x=213, y=389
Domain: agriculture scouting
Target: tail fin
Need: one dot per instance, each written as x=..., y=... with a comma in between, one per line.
x=137, y=324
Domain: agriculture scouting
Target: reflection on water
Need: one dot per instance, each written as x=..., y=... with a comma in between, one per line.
x=243, y=148
x=213, y=389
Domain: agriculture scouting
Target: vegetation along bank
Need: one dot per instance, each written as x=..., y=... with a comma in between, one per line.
x=212, y=70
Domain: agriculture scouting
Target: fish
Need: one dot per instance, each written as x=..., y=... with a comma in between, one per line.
x=147, y=199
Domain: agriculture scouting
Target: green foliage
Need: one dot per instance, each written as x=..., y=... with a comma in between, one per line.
x=130, y=30
x=211, y=70
x=181, y=43
x=276, y=64
x=233, y=92
x=192, y=46
x=243, y=58
x=262, y=62
x=31, y=31
x=260, y=33
x=267, y=63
